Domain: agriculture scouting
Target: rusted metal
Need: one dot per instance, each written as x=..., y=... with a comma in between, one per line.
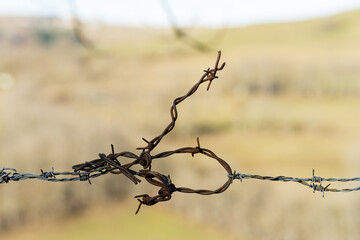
x=113, y=165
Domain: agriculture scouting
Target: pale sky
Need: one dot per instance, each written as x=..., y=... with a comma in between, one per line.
x=209, y=13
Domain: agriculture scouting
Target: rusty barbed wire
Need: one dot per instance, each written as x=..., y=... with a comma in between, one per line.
x=110, y=164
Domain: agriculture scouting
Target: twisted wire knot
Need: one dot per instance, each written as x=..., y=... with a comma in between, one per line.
x=145, y=160
x=164, y=194
x=4, y=177
x=197, y=149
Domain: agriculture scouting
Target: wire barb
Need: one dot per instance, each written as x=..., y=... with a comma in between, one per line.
x=84, y=177
x=48, y=174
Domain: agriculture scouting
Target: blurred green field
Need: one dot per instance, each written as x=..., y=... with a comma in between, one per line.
x=286, y=102
x=114, y=222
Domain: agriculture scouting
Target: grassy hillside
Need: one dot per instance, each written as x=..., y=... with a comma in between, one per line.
x=339, y=31
x=331, y=30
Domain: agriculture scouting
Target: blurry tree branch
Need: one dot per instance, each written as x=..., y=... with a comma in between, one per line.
x=180, y=34
x=78, y=28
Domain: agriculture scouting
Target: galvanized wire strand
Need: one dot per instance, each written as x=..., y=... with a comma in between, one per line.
x=314, y=182
x=10, y=174
x=292, y=179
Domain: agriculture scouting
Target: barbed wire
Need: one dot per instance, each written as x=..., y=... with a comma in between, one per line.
x=110, y=164
x=310, y=182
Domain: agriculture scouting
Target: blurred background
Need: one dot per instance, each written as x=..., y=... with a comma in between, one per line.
x=76, y=76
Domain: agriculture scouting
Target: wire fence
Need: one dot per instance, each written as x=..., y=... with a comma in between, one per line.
x=110, y=163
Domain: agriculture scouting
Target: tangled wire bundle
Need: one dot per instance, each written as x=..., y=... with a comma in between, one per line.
x=111, y=164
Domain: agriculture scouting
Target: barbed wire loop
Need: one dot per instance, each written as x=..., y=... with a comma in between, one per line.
x=111, y=164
